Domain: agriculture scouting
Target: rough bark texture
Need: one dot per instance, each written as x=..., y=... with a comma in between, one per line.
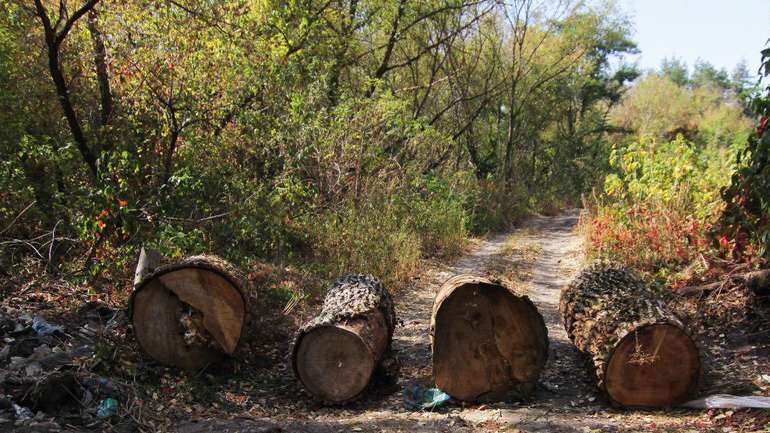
x=488, y=342
x=335, y=354
x=190, y=314
x=642, y=353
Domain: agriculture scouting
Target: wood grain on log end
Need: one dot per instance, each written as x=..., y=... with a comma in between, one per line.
x=656, y=365
x=642, y=353
x=336, y=354
x=488, y=343
x=190, y=314
x=334, y=363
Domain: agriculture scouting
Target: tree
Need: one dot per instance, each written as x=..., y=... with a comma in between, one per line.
x=676, y=70
x=705, y=74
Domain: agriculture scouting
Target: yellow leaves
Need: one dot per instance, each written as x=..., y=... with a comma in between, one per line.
x=260, y=8
x=613, y=186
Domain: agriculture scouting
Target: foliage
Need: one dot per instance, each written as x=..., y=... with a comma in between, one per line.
x=746, y=221
x=345, y=136
x=676, y=174
x=650, y=237
x=657, y=105
x=662, y=197
x=660, y=204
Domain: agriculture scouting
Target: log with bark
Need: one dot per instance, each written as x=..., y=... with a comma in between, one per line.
x=189, y=314
x=642, y=354
x=488, y=342
x=335, y=355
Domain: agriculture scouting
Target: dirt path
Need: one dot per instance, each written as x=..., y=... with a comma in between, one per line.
x=541, y=256
x=545, y=252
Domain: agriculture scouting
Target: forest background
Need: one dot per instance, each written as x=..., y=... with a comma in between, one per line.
x=339, y=136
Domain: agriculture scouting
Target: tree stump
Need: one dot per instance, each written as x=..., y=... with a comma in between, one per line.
x=335, y=354
x=488, y=342
x=189, y=314
x=642, y=353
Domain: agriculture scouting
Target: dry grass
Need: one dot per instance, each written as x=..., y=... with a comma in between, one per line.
x=515, y=261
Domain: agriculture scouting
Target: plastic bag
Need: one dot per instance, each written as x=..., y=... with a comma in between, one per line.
x=417, y=397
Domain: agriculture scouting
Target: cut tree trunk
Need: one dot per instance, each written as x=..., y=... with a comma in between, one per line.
x=335, y=355
x=189, y=314
x=642, y=354
x=488, y=342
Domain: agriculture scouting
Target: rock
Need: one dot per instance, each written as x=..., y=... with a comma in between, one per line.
x=7, y=325
x=25, y=346
x=96, y=311
x=33, y=369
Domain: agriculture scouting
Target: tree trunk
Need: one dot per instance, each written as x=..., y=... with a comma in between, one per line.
x=190, y=314
x=102, y=74
x=488, y=342
x=335, y=354
x=642, y=353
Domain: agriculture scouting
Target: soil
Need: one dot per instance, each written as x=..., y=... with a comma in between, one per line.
x=258, y=393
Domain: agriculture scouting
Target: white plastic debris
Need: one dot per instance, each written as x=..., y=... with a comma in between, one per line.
x=22, y=413
x=727, y=401
x=43, y=328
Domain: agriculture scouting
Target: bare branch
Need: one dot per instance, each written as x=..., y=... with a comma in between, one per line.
x=73, y=19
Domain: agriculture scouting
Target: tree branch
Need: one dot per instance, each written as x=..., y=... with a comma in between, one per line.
x=53, y=43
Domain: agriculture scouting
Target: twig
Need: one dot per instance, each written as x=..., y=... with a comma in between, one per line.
x=18, y=216
x=50, y=247
x=24, y=242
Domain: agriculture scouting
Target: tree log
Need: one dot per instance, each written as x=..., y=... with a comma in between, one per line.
x=642, y=354
x=335, y=354
x=488, y=342
x=190, y=314
x=756, y=281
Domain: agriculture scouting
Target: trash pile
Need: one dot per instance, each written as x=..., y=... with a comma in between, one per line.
x=43, y=379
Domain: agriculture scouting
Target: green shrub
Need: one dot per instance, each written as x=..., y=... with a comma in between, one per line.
x=660, y=204
x=373, y=239
x=439, y=215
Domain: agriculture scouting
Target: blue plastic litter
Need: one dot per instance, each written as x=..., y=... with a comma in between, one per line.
x=107, y=408
x=417, y=397
x=100, y=386
x=43, y=328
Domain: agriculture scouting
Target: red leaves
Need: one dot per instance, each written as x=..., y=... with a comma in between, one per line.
x=101, y=219
x=648, y=237
x=762, y=125
x=724, y=243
